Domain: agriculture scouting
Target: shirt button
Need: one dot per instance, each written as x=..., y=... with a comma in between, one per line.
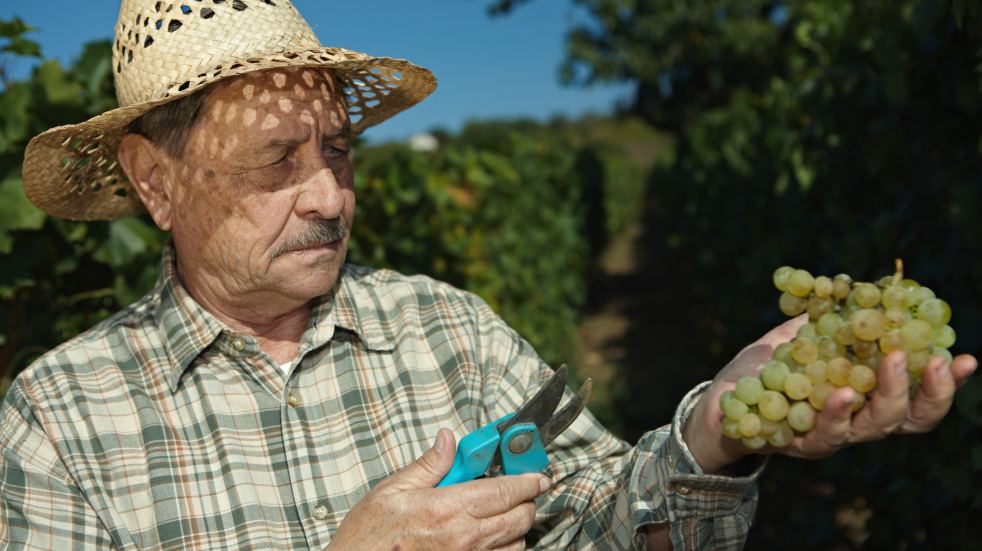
x=238, y=343
x=682, y=489
x=320, y=512
x=291, y=400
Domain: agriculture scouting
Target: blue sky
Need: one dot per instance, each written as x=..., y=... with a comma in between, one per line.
x=487, y=67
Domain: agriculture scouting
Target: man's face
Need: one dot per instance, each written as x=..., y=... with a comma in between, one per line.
x=265, y=196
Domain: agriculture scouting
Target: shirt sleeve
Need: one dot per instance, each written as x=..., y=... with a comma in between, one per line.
x=40, y=506
x=604, y=491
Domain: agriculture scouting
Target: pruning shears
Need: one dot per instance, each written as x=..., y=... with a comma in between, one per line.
x=515, y=443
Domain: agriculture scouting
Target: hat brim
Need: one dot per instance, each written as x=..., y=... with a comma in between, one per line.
x=72, y=172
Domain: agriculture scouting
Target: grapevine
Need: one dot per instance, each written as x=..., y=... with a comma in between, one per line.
x=851, y=326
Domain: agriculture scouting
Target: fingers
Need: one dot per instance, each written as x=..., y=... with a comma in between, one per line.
x=508, y=529
x=489, y=497
x=430, y=468
x=832, y=428
x=962, y=368
x=517, y=545
x=784, y=332
x=934, y=398
x=889, y=402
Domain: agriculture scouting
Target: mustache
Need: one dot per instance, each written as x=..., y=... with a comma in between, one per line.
x=315, y=234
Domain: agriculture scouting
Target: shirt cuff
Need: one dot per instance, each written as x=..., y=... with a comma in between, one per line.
x=672, y=487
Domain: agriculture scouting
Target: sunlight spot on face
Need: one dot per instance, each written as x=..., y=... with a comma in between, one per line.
x=279, y=79
x=285, y=105
x=217, y=110
x=318, y=106
x=248, y=90
x=230, y=113
x=306, y=117
x=264, y=97
x=299, y=92
x=249, y=116
x=213, y=148
x=335, y=120
x=308, y=79
x=271, y=121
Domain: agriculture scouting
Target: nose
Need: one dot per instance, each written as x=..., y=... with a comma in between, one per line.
x=321, y=193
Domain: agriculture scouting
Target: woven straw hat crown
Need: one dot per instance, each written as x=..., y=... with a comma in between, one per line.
x=165, y=50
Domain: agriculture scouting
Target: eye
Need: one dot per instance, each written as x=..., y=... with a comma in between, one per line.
x=334, y=152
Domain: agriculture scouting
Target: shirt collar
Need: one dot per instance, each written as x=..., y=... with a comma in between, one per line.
x=188, y=329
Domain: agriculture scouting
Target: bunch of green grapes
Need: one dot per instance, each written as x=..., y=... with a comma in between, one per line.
x=851, y=326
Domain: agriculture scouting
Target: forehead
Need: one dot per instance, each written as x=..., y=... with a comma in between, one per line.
x=276, y=97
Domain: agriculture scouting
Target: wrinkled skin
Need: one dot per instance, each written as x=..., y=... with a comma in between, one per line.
x=269, y=159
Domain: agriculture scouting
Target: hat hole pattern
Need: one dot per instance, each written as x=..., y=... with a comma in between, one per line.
x=374, y=89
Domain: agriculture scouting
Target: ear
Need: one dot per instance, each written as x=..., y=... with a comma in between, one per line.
x=142, y=162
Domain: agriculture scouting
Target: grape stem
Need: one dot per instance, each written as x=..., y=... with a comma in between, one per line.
x=899, y=273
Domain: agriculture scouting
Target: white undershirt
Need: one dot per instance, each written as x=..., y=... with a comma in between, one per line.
x=286, y=367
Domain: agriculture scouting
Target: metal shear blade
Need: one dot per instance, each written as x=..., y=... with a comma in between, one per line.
x=541, y=410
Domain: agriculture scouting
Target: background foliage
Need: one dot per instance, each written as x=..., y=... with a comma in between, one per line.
x=827, y=134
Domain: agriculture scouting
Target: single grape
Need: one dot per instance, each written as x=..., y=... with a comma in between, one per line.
x=818, y=307
x=934, y=311
x=823, y=287
x=772, y=406
x=868, y=324
x=755, y=443
x=735, y=409
x=828, y=324
x=894, y=296
x=865, y=349
x=944, y=353
x=768, y=427
x=804, y=350
x=944, y=337
x=782, y=438
x=917, y=295
x=917, y=334
x=828, y=348
x=800, y=283
x=801, y=416
x=748, y=391
x=808, y=331
x=891, y=340
x=797, y=386
x=782, y=353
x=866, y=295
x=726, y=397
x=841, y=286
x=884, y=282
x=862, y=378
x=731, y=429
x=837, y=371
x=844, y=335
x=819, y=394
x=791, y=305
x=858, y=402
x=773, y=374
x=750, y=425
x=816, y=371
x=896, y=317
x=781, y=277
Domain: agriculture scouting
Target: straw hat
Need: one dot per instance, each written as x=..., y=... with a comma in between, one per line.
x=165, y=50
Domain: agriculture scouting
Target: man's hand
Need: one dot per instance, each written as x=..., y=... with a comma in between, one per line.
x=889, y=410
x=405, y=512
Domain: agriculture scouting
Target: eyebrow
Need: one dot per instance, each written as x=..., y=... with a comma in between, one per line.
x=344, y=131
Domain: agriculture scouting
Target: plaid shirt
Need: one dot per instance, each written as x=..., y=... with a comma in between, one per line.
x=161, y=428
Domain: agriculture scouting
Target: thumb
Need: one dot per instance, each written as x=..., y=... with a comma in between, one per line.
x=431, y=467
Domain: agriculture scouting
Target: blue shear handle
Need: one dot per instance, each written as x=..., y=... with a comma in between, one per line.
x=530, y=457
x=474, y=454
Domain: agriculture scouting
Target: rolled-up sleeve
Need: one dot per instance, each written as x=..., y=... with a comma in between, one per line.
x=40, y=506
x=605, y=491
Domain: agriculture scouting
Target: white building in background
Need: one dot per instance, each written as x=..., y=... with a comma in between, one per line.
x=423, y=141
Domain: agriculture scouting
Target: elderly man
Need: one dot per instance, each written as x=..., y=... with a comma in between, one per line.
x=267, y=395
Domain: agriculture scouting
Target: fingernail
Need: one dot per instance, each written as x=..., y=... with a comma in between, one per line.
x=544, y=484
x=441, y=442
x=943, y=371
